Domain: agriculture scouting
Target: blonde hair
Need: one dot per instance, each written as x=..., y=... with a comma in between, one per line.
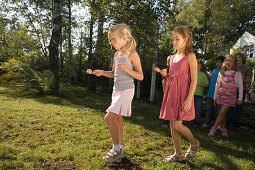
x=223, y=69
x=124, y=31
x=185, y=33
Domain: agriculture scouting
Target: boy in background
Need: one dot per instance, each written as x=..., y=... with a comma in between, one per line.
x=202, y=83
x=209, y=103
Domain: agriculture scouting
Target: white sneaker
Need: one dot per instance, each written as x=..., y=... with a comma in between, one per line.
x=113, y=156
x=122, y=153
x=205, y=125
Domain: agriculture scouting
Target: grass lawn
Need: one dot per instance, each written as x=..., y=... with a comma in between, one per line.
x=68, y=132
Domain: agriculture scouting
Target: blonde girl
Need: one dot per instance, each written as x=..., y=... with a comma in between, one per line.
x=178, y=101
x=228, y=81
x=126, y=67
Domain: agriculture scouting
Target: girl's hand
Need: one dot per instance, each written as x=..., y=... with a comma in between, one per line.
x=214, y=103
x=98, y=72
x=239, y=102
x=89, y=71
x=186, y=106
x=157, y=69
x=123, y=66
x=163, y=72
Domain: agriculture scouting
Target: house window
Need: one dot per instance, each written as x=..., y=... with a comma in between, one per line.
x=250, y=51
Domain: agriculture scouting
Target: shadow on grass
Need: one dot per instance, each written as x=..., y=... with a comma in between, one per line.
x=81, y=98
x=72, y=96
x=191, y=165
x=146, y=115
x=222, y=151
x=125, y=164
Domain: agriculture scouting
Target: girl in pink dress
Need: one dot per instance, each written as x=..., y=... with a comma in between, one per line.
x=178, y=100
x=126, y=68
x=226, y=92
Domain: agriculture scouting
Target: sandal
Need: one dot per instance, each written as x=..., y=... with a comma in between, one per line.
x=113, y=156
x=172, y=158
x=190, y=154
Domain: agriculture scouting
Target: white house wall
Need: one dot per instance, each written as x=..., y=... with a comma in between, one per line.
x=247, y=44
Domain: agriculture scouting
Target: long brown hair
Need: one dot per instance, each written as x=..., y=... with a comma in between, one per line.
x=242, y=56
x=186, y=34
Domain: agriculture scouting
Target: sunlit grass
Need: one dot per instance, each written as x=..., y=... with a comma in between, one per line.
x=68, y=132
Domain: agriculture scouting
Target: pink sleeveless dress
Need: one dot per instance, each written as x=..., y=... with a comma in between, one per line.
x=176, y=91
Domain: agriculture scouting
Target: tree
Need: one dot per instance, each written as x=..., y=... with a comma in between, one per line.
x=37, y=19
x=54, y=42
x=216, y=24
x=94, y=59
x=154, y=64
x=70, y=40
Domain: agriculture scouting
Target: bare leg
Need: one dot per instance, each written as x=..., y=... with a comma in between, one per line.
x=176, y=136
x=109, y=119
x=119, y=122
x=185, y=131
x=223, y=122
x=221, y=116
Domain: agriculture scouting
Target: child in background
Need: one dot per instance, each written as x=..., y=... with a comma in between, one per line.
x=202, y=83
x=126, y=67
x=251, y=93
x=178, y=100
x=167, y=72
x=226, y=92
x=234, y=114
x=209, y=103
x=165, y=123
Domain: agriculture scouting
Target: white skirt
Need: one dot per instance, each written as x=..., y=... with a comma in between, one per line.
x=121, y=102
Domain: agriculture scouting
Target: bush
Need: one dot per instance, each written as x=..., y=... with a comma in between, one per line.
x=15, y=72
x=47, y=81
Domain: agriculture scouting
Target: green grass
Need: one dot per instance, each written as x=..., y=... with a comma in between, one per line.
x=68, y=132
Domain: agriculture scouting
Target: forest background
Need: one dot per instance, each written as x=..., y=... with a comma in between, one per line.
x=48, y=44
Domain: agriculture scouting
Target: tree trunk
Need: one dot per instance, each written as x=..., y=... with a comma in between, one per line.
x=80, y=56
x=61, y=56
x=70, y=40
x=112, y=60
x=100, y=34
x=98, y=51
x=154, y=63
x=138, y=85
x=91, y=78
x=54, y=43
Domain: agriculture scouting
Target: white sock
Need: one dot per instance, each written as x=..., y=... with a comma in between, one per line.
x=116, y=147
x=121, y=146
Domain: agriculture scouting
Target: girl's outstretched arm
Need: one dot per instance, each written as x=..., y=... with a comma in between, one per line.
x=193, y=73
x=109, y=74
x=135, y=61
